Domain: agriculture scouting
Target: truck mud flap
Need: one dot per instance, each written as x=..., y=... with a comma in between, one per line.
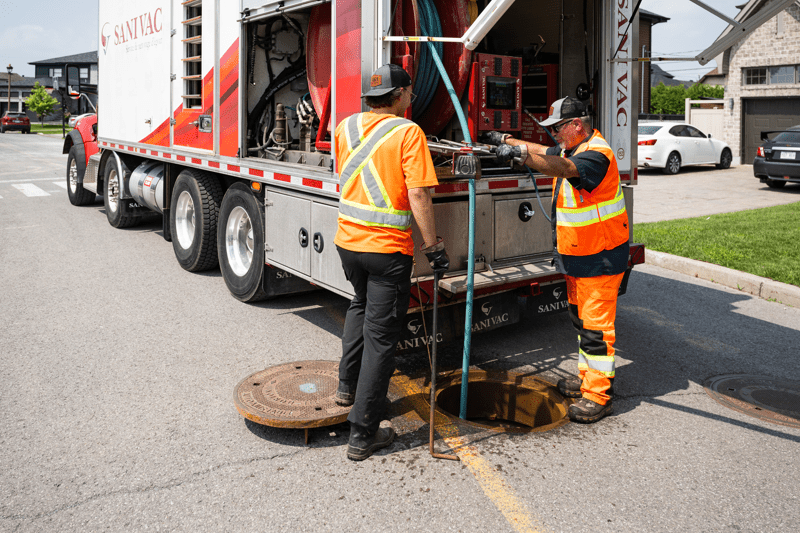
x=551, y=299
x=488, y=313
x=277, y=282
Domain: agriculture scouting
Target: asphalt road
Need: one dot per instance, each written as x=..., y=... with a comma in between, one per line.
x=118, y=369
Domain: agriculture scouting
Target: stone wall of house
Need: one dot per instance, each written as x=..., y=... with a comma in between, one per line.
x=765, y=47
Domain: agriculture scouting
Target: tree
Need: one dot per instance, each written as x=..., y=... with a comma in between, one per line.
x=40, y=102
x=670, y=100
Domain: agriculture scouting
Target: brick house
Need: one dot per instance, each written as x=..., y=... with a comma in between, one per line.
x=762, y=79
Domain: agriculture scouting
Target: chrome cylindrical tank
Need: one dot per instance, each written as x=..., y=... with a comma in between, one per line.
x=147, y=185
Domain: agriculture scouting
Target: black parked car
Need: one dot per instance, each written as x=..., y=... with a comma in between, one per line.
x=778, y=160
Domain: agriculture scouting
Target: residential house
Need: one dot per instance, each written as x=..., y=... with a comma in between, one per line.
x=762, y=79
x=647, y=20
x=82, y=76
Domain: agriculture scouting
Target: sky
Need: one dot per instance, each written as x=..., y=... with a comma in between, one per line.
x=690, y=30
x=33, y=30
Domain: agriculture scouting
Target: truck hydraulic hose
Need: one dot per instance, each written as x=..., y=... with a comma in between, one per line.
x=471, y=249
x=427, y=81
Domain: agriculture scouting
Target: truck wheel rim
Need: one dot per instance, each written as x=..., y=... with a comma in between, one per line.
x=184, y=219
x=73, y=177
x=113, y=191
x=239, y=241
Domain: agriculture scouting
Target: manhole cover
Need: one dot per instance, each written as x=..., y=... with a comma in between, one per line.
x=770, y=399
x=504, y=401
x=294, y=395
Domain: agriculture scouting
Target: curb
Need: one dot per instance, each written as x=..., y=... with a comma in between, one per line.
x=757, y=286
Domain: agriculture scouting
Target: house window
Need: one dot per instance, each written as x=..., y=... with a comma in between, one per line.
x=771, y=75
x=55, y=72
x=84, y=73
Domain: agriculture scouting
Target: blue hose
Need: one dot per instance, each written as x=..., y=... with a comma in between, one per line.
x=471, y=249
x=427, y=81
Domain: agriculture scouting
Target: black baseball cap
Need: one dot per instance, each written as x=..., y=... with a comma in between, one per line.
x=567, y=107
x=386, y=79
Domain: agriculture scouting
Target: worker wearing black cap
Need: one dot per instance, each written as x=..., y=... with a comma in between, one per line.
x=590, y=238
x=385, y=171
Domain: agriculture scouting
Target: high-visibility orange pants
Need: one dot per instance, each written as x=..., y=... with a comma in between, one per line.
x=593, y=308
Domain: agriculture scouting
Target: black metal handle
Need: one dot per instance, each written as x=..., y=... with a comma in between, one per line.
x=319, y=242
x=525, y=211
x=303, y=237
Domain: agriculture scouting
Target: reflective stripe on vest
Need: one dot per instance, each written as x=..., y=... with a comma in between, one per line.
x=569, y=215
x=380, y=211
x=601, y=363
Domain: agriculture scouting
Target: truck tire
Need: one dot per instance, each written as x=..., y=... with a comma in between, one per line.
x=673, y=165
x=775, y=184
x=240, y=241
x=77, y=194
x=194, y=212
x=118, y=211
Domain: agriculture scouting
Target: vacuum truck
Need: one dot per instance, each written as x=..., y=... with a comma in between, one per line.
x=218, y=116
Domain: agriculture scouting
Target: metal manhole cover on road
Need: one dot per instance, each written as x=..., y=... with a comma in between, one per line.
x=293, y=395
x=770, y=399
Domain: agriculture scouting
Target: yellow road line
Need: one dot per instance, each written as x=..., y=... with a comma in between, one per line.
x=493, y=485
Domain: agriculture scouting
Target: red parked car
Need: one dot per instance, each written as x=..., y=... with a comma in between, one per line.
x=14, y=121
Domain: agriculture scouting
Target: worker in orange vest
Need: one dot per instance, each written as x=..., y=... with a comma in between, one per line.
x=385, y=171
x=590, y=238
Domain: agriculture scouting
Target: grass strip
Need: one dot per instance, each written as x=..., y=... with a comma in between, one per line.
x=48, y=128
x=764, y=242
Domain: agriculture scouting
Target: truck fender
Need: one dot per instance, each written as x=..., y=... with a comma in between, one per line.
x=74, y=140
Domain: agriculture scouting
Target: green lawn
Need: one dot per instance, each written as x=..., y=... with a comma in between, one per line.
x=48, y=128
x=764, y=242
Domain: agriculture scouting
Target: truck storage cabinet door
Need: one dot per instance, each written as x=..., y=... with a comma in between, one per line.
x=326, y=266
x=288, y=232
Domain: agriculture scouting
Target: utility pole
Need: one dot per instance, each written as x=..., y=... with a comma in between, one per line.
x=9, y=68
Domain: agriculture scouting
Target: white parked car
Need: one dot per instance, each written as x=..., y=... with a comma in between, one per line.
x=672, y=145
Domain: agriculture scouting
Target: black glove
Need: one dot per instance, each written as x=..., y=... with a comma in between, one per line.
x=505, y=153
x=437, y=256
x=494, y=137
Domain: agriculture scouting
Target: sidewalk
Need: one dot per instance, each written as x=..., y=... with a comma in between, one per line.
x=705, y=190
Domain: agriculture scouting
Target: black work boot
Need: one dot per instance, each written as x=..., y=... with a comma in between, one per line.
x=362, y=445
x=345, y=394
x=570, y=386
x=586, y=411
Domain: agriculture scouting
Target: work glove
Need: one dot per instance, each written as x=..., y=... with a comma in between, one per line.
x=437, y=256
x=506, y=153
x=495, y=138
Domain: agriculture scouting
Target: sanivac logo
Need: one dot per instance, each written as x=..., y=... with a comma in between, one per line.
x=144, y=25
x=105, y=37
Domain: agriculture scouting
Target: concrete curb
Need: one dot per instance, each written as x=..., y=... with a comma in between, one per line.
x=755, y=285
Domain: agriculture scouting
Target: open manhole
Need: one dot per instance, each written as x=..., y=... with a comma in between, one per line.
x=504, y=401
x=770, y=399
x=293, y=395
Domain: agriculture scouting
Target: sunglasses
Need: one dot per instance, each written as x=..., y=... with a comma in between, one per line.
x=557, y=127
x=413, y=96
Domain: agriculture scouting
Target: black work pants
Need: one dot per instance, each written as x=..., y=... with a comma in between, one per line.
x=382, y=285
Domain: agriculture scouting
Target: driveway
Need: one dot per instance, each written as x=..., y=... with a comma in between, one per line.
x=704, y=190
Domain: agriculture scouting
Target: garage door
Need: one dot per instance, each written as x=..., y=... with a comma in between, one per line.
x=762, y=114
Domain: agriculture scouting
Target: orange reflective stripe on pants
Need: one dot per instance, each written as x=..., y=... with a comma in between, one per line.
x=593, y=309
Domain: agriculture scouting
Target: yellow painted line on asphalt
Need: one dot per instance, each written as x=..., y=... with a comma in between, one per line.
x=493, y=485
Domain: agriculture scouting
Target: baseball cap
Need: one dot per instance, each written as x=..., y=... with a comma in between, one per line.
x=386, y=79
x=567, y=107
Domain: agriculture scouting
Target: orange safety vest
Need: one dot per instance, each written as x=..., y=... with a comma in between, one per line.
x=379, y=158
x=588, y=223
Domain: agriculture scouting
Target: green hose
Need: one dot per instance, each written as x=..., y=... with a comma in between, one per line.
x=471, y=250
